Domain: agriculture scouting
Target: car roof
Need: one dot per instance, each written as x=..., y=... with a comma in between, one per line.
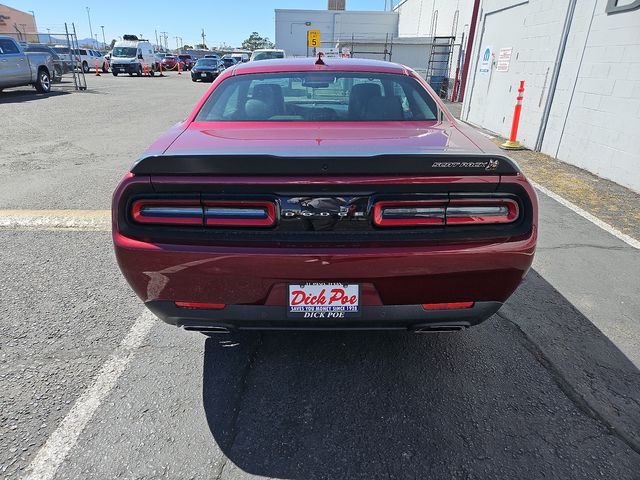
x=330, y=64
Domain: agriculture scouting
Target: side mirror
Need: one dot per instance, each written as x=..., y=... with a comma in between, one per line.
x=140, y=56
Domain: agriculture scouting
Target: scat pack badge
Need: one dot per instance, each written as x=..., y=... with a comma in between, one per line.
x=488, y=165
x=492, y=165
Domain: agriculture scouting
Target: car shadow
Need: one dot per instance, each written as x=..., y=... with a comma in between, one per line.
x=27, y=95
x=484, y=403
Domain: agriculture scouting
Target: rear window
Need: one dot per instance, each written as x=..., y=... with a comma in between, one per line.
x=319, y=97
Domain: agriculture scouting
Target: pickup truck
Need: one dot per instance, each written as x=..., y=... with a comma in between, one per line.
x=18, y=68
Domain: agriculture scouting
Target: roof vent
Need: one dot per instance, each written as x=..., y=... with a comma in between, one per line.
x=130, y=37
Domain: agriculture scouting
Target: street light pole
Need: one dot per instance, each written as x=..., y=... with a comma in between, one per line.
x=90, y=29
x=104, y=40
x=35, y=27
x=49, y=33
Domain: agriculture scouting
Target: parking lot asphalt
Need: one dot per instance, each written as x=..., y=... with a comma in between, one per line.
x=547, y=388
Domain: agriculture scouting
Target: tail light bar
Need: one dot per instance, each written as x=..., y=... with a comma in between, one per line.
x=239, y=213
x=408, y=213
x=219, y=213
x=468, y=211
x=475, y=211
x=167, y=212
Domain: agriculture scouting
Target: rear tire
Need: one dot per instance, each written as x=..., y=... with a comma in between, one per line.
x=139, y=71
x=152, y=72
x=85, y=67
x=115, y=74
x=43, y=83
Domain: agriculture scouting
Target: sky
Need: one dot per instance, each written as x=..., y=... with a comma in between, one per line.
x=223, y=21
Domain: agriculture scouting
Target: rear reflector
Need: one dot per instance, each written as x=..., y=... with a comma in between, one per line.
x=475, y=211
x=167, y=212
x=446, y=306
x=211, y=306
x=239, y=213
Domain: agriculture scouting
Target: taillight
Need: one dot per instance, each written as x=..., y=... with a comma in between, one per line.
x=480, y=211
x=407, y=213
x=168, y=212
x=211, y=213
x=468, y=211
x=239, y=213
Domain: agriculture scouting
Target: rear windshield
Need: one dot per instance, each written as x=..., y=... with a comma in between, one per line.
x=318, y=97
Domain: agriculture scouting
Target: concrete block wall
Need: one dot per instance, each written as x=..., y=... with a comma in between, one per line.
x=595, y=114
x=595, y=119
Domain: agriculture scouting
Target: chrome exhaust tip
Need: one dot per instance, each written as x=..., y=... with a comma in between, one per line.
x=439, y=329
x=206, y=329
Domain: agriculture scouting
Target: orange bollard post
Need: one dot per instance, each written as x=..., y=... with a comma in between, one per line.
x=97, y=69
x=512, y=143
x=179, y=72
x=161, y=69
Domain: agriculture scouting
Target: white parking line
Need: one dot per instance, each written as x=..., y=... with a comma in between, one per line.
x=596, y=221
x=62, y=440
x=75, y=220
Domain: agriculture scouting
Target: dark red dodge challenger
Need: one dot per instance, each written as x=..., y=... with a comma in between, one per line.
x=337, y=194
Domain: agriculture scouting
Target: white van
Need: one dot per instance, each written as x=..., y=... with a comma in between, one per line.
x=131, y=55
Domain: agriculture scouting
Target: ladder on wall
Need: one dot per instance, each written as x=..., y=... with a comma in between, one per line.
x=439, y=64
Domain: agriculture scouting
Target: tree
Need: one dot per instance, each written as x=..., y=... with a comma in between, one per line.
x=201, y=46
x=255, y=41
x=113, y=42
x=187, y=47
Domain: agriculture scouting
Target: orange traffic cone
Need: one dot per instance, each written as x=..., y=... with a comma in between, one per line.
x=179, y=72
x=97, y=69
x=161, y=69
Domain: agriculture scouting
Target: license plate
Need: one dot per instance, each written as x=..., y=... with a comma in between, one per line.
x=203, y=74
x=324, y=300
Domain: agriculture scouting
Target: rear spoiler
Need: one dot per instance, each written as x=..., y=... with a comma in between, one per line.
x=393, y=164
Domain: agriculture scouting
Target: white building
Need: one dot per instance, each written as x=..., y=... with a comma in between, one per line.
x=581, y=106
x=436, y=18
x=336, y=26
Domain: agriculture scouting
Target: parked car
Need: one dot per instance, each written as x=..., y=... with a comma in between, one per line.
x=227, y=62
x=91, y=58
x=372, y=208
x=170, y=62
x=131, y=55
x=60, y=67
x=240, y=57
x=206, y=69
x=267, y=54
x=187, y=60
x=18, y=68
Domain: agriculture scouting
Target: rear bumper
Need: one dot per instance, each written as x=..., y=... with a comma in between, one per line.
x=261, y=317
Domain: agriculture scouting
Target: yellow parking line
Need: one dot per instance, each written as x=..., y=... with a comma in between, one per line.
x=54, y=220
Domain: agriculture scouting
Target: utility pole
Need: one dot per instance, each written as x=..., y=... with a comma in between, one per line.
x=156, y=32
x=90, y=29
x=177, y=47
x=203, y=38
x=104, y=40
